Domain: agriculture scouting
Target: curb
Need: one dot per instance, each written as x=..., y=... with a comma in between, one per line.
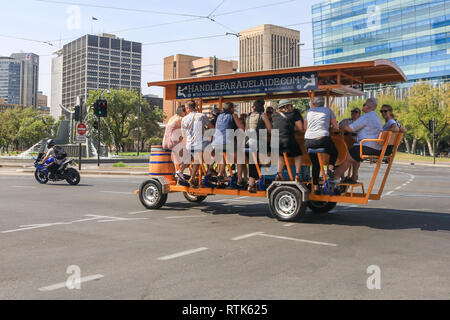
x=84, y=172
x=437, y=165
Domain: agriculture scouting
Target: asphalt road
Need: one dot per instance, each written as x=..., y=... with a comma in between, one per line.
x=223, y=248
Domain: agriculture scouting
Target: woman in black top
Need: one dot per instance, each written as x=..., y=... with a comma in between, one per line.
x=288, y=121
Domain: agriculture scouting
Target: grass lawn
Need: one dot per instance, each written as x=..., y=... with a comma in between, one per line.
x=133, y=154
x=414, y=157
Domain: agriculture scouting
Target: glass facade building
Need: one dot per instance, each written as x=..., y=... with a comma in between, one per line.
x=10, y=70
x=99, y=62
x=415, y=34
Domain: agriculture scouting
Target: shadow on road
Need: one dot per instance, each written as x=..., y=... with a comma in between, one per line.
x=377, y=218
x=68, y=185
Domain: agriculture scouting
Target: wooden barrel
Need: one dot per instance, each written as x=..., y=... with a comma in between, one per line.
x=161, y=163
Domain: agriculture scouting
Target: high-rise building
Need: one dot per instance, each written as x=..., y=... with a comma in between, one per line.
x=96, y=62
x=29, y=75
x=56, y=85
x=10, y=80
x=181, y=66
x=413, y=34
x=42, y=100
x=267, y=47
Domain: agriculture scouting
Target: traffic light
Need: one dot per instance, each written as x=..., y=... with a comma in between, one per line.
x=77, y=114
x=101, y=108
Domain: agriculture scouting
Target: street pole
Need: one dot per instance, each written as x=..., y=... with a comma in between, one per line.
x=434, y=148
x=79, y=145
x=98, y=144
x=139, y=124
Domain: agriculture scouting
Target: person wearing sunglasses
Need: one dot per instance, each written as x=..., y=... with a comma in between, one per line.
x=391, y=124
x=368, y=126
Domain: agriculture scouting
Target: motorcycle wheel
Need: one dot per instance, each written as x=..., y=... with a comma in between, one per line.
x=41, y=177
x=72, y=177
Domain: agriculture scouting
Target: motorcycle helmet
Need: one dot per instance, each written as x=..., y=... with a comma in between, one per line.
x=50, y=143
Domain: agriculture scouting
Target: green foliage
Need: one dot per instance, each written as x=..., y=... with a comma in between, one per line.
x=22, y=128
x=119, y=164
x=122, y=121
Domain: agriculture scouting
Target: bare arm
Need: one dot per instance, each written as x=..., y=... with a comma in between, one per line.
x=305, y=125
x=348, y=129
x=335, y=125
x=394, y=128
x=267, y=121
x=299, y=126
x=238, y=122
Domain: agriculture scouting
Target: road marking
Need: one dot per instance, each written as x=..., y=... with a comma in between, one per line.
x=62, y=285
x=180, y=217
x=299, y=240
x=418, y=195
x=288, y=224
x=92, y=217
x=399, y=187
x=140, y=212
x=117, y=192
x=247, y=235
x=183, y=253
x=29, y=187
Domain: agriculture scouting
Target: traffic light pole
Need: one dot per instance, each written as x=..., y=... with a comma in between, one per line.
x=98, y=145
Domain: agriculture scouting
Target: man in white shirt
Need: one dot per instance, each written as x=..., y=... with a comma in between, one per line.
x=368, y=126
x=192, y=129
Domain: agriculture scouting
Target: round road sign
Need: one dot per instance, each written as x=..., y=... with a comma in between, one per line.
x=81, y=129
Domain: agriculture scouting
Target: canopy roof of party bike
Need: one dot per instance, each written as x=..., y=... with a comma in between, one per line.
x=342, y=79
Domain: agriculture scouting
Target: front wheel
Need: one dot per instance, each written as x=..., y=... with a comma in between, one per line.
x=41, y=177
x=72, y=177
x=321, y=206
x=193, y=198
x=286, y=203
x=150, y=194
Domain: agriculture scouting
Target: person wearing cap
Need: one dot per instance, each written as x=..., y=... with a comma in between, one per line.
x=287, y=121
x=368, y=126
x=256, y=120
x=317, y=124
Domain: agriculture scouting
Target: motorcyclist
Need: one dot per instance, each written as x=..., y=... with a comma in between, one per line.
x=51, y=153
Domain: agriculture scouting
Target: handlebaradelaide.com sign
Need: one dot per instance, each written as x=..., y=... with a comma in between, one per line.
x=251, y=85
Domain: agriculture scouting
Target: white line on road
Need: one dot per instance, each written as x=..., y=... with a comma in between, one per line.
x=299, y=240
x=288, y=224
x=28, y=187
x=247, y=236
x=140, y=212
x=180, y=217
x=62, y=285
x=183, y=253
x=117, y=192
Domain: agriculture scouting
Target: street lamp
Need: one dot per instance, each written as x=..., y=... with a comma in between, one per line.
x=292, y=45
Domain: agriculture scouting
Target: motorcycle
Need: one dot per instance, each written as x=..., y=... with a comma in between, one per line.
x=43, y=175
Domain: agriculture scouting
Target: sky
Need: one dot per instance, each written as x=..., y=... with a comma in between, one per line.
x=43, y=26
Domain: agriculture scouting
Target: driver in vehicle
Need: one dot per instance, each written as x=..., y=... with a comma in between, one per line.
x=51, y=153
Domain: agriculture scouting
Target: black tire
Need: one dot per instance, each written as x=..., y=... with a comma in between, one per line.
x=286, y=203
x=40, y=177
x=193, y=198
x=72, y=177
x=150, y=194
x=320, y=207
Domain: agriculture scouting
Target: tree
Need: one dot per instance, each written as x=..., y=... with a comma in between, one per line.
x=426, y=103
x=119, y=127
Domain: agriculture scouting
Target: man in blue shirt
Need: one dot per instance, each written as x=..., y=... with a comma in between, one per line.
x=368, y=126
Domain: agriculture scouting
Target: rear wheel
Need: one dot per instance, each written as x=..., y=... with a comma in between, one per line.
x=72, y=177
x=193, y=198
x=41, y=177
x=150, y=194
x=321, y=206
x=286, y=203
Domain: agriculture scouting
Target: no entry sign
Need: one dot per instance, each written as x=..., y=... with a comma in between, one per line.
x=81, y=129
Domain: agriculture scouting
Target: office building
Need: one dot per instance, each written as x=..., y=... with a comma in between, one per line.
x=413, y=34
x=56, y=85
x=181, y=66
x=154, y=101
x=29, y=77
x=42, y=100
x=267, y=47
x=98, y=62
x=10, y=80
